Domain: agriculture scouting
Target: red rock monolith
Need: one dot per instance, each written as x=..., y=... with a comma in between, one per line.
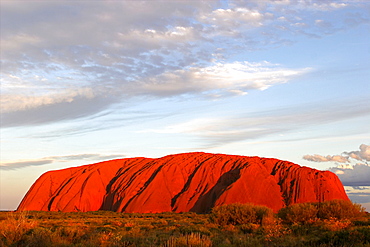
x=180, y=183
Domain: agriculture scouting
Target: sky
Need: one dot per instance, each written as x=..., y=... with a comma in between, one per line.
x=88, y=81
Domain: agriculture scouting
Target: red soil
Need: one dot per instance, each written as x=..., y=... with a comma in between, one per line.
x=180, y=183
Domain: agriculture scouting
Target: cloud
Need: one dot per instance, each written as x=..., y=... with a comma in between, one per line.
x=220, y=79
x=229, y=21
x=13, y=165
x=349, y=174
x=358, y=175
x=320, y=158
x=11, y=103
x=22, y=164
x=85, y=157
x=79, y=107
x=360, y=195
x=217, y=80
x=69, y=57
x=218, y=131
x=363, y=154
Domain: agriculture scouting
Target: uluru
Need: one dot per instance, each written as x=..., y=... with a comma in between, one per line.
x=194, y=182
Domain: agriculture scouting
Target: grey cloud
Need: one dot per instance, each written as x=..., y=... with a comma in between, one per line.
x=359, y=194
x=23, y=164
x=359, y=197
x=111, y=57
x=359, y=175
x=78, y=108
x=350, y=175
x=84, y=157
x=52, y=159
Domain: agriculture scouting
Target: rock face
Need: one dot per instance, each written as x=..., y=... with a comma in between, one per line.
x=180, y=183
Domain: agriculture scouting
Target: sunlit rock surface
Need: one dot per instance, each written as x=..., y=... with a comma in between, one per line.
x=180, y=183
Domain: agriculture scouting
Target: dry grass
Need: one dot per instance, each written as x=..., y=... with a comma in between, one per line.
x=192, y=239
x=14, y=226
x=110, y=229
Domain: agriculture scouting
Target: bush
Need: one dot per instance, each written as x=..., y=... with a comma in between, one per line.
x=340, y=209
x=333, y=210
x=240, y=214
x=300, y=213
x=352, y=237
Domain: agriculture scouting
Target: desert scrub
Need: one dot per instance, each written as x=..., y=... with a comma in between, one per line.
x=300, y=213
x=109, y=229
x=303, y=213
x=240, y=214
x=333, y=224
x=347, y=237
x=192, y=239
x=340, y=209
x=14, y=226
x=42, y=237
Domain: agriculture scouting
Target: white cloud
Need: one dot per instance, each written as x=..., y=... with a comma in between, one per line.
x=327, y=6
x=154, y=39
x=320, y=158
x=338, y=5
x=227, y=19
x=345, y=166
x=238, y=77
x=363, y=154
x=59, y=52
x=221, y=79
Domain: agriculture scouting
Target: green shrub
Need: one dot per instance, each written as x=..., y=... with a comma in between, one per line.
x=240, y=214
x=352, y=237
x=300, y=213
